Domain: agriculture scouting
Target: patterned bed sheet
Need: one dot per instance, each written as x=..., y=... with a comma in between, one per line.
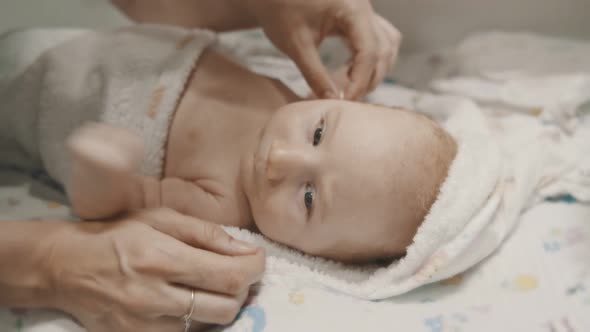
x=538, y=281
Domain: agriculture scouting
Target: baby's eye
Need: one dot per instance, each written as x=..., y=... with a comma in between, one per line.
x=317, y=134
x=308, y=197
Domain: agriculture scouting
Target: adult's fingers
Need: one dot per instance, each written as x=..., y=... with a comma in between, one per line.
x=304, y=53
x=177, y=262
x=208, y=271
x=161, y=324
x=383, y=58
x=172, y=265
x=124, y=321
x=393, y=33
x=173, y=300
x=394, y=37
x=364, y=47
x=196, y=232
x=209, y=307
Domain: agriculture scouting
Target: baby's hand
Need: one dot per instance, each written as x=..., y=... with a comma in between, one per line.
x=105, y=164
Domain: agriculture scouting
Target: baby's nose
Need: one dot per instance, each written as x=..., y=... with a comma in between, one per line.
x=285, y=160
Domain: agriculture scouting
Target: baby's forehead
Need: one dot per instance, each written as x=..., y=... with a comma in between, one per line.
x=375, y=157
x=358, y=193
x=376, y=131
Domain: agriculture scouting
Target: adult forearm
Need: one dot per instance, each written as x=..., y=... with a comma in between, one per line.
x=218, y=15
x=24, y=279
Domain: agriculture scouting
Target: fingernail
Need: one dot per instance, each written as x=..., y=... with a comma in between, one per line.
x=350, y=93
x=243, y=247
x=330, y=95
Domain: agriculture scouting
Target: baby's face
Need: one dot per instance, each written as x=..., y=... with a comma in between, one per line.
x=341, y=179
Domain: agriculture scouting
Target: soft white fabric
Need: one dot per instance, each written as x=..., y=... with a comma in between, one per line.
x=512, y=55
x=130, y=77
x=20, y=48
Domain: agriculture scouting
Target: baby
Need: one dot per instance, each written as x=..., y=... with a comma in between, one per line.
x=154, y=116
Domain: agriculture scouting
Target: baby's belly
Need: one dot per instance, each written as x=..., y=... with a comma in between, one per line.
x=200, y=119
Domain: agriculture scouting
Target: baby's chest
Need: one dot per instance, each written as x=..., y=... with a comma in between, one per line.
x=203, y=183
x=201, y=168
x=205, y=198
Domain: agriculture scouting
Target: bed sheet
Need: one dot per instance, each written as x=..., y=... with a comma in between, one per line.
x=538, y=281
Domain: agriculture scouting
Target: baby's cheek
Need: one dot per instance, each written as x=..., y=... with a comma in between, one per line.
x=275, y=219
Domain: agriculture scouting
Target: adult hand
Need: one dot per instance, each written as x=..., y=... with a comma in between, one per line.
x=297, y=27
x=137, y=273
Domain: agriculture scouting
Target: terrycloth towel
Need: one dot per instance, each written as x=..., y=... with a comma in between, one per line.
x=20, y=48
x=130, y=77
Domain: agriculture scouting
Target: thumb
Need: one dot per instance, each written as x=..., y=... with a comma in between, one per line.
x=197, y=233
x=305, y=54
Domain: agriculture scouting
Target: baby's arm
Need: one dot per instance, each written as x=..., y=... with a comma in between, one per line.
x=104, y=181
x=203, y=198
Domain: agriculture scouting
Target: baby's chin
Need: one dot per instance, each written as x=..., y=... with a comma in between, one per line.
x=262, y=223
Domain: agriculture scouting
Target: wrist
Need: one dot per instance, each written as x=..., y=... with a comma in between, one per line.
x=24, y=279
x=50, y=264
